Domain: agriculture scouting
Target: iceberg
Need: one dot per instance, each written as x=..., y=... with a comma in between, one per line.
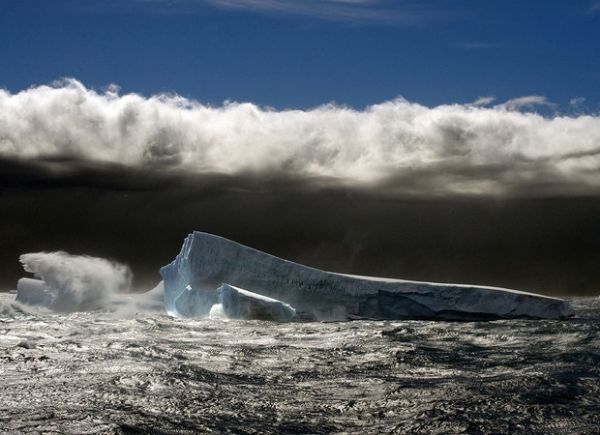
x=207, y=263
x=241, y=304
x=34, y=292
x=69, y=283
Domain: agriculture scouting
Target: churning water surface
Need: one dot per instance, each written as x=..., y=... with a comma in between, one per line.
x=146, y=373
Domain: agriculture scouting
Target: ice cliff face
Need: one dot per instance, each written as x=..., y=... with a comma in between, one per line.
x=207, y=261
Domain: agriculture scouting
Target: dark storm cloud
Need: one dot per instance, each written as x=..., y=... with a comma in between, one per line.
x=459, y=193
x=450, y=149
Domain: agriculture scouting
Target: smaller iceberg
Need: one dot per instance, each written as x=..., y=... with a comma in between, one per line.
x=242, y=304
x=191, y=303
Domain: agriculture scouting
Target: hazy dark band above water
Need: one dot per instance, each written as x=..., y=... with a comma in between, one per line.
x=544, y=245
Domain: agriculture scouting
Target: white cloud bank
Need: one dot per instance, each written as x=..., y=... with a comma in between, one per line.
x=445, y=149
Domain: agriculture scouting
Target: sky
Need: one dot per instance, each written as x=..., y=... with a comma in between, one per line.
x=436, y=140
x=304, y=53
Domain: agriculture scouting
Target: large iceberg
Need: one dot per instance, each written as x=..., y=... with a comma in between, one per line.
x=206, y=262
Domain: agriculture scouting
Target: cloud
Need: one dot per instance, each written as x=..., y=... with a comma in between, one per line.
x=476, y=45
x=79, y=282
x=483, y=101
x=594, y=8
x=528, y=101
x=397, y=145
x=358, y=11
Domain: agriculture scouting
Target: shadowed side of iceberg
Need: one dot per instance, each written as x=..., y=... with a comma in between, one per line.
x=207, y=261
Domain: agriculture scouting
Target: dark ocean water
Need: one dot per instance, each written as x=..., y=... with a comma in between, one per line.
x=102, y=373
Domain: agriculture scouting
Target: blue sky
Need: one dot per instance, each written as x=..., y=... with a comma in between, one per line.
x=299, y=54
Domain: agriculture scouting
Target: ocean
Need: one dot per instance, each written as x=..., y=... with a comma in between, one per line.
x=102, y=372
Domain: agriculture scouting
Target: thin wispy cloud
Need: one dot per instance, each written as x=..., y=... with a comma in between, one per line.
x=476, y=45
x=527, y=102
x=483, y=101
x=357, y=11
x=397, y=145
x=594, y=8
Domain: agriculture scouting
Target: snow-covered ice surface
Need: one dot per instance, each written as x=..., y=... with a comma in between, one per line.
x=207, y=261
x=109, y=372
